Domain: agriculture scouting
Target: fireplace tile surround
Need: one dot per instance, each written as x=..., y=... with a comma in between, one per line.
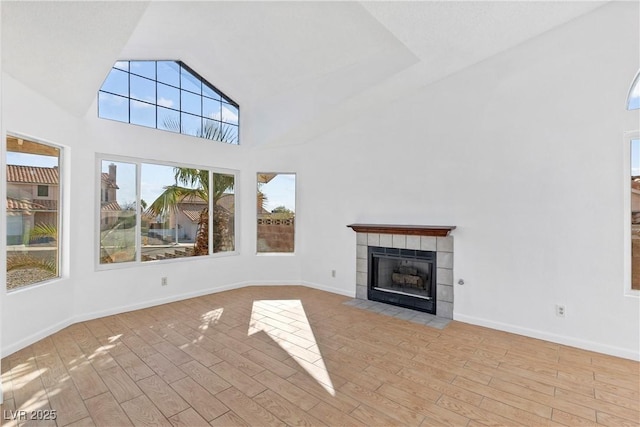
x=408, y=237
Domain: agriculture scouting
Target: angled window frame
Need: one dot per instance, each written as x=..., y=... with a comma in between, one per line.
x=196, y=98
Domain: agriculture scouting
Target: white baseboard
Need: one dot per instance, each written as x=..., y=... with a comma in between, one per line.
x=339, y=291
x=180, y=297
x=43, y=333
x=272, y=282
x=154, y=302
x=83, y=317
x=626, y=353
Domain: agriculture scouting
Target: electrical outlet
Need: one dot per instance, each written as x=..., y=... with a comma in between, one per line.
x=560, y=310
x=333, y=273
x=163, y=281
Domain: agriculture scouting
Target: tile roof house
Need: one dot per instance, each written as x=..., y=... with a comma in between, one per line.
x=187, y=215
x=32, y=175
x=110, y=209
x=32, y=199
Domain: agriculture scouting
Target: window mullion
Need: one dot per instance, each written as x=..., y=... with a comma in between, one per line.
x=125, y=97
x=138, y=212
x=211, y=202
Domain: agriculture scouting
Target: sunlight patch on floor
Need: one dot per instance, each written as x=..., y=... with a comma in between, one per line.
x=286, y=323
x=211, y=318
x=22, y=375
x=114, y=338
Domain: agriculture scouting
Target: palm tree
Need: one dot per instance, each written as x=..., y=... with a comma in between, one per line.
x=215, y=131
x=42, y=230
x=26, y=261
x=191, y=185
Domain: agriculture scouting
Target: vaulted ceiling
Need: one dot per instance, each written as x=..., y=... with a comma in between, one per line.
x=296, y=68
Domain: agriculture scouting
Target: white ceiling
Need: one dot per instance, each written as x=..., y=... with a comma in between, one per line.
x=295, y=68
x=64, y=50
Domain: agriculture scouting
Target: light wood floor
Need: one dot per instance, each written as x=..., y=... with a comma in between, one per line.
x=298, y=356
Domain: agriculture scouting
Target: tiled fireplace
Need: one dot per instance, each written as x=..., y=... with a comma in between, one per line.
x=414, y=262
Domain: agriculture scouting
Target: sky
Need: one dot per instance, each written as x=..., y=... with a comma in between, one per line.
x=162, y=84
x=154, y=178
x=162, y=94
x=280, y=191
x=24, y=159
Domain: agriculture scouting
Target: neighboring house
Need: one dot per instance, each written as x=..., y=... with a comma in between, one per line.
x=32, y=198
x=187, y=215
x=110, y=209
x=227, y=202
x=33, y=195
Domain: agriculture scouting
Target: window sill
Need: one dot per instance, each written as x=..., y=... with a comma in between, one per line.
x=133, y=264
x=285, y=254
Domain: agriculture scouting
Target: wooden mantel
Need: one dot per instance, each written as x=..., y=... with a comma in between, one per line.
x=413, y=230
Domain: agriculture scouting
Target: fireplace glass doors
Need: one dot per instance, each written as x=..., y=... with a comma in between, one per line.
x=403, y=277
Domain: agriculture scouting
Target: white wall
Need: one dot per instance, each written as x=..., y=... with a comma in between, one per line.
x=83, y=292
x=28, y=313
x=524, y=154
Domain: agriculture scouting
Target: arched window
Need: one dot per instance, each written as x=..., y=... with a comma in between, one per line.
x=633, y=100
x=168, y=95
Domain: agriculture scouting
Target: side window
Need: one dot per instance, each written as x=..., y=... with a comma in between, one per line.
x=635, y=213
x=33, y=212
x=276, y=203
x=633, y=103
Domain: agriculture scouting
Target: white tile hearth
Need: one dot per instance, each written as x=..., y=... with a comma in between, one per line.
x=400, y=313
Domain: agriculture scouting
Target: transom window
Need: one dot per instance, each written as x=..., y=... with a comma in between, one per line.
x=168, y=95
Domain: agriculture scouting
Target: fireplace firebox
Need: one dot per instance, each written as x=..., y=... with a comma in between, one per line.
x=402, y=277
